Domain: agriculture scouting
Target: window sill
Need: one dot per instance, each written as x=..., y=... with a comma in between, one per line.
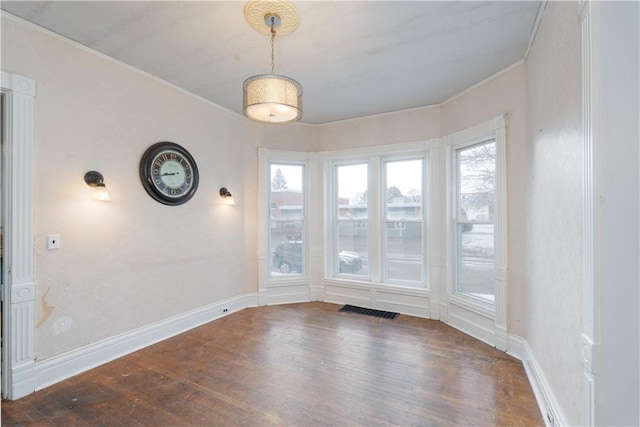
x=418, y=290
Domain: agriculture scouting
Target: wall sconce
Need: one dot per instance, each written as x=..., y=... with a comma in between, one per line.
x=226, y=195
x=95, y=180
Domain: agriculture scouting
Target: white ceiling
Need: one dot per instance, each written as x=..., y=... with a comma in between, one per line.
x=353, y=58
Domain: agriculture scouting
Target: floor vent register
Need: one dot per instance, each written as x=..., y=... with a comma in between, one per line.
x=369, y=312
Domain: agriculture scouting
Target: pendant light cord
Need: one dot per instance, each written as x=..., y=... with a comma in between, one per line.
x=273, y=39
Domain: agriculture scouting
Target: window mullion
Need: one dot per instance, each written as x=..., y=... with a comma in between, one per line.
x=335, y=222
x=375, y=209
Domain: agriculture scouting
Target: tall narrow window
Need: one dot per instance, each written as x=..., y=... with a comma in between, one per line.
x=475, y=220
x=286, y=232
x=352, y=218
x=403, y=260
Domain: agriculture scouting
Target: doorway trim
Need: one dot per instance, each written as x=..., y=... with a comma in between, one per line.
x=18, y=349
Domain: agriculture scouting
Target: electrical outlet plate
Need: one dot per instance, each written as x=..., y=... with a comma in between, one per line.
x=53, y=241
x=551, y=422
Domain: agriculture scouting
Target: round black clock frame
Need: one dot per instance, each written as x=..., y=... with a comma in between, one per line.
x=168, y=173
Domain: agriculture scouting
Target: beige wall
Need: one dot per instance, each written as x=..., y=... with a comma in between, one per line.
x=418, y=124
x=131, y=262
x=553, y=252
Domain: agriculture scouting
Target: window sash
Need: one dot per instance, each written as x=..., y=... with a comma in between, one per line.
x=399, y=266
x=407, y=267
x=286, y=242
x=474, y=253
x=356, y=226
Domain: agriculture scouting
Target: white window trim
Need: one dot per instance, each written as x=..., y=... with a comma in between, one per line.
x=411, y=300
x=486, y=322
x=374, y=156
x=274, y=290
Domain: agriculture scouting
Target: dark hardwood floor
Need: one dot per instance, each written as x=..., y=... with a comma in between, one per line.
x=295, y=365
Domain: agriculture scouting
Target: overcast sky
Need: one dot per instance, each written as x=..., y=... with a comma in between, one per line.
x=406, y=175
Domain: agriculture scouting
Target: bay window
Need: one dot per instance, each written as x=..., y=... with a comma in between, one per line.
x=416, y=227
x=378, y=222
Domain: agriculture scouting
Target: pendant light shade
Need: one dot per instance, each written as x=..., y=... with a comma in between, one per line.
x=270, y=98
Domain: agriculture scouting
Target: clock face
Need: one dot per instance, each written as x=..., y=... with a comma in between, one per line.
x=168, y=173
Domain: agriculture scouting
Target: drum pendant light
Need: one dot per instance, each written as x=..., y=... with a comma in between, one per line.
x=272, y=98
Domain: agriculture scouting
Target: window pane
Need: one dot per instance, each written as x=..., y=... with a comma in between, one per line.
x=352, y=248
x=404, y=189
x=404, y=251
x=352, y=191
x=403, y=201
x=287, y=256
x=475, y=260
x=477, y=182
x=352, y=225
x=286, y=235
x=286, y=192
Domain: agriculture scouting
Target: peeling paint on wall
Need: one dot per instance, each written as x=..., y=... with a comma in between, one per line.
x=47, y=310
x=62, y=324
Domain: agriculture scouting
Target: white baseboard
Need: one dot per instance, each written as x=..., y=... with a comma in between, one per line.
x=59, y=368
x=23, y=382
x=517, y=347
x=547, y=402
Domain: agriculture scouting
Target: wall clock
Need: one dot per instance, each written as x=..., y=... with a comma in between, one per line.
x=168, y=173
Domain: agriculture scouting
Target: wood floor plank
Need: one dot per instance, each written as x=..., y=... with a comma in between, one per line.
x=295, y=365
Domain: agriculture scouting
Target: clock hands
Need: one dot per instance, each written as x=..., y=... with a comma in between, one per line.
x=172, y=173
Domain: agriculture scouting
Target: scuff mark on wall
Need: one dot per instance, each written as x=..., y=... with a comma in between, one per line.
x=47, y=310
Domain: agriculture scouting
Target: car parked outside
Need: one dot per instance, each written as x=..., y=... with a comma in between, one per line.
x=293, y=231
x=287, y=258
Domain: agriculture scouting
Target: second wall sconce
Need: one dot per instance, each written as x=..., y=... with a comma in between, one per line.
x=227, y=196
x=95, y=180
